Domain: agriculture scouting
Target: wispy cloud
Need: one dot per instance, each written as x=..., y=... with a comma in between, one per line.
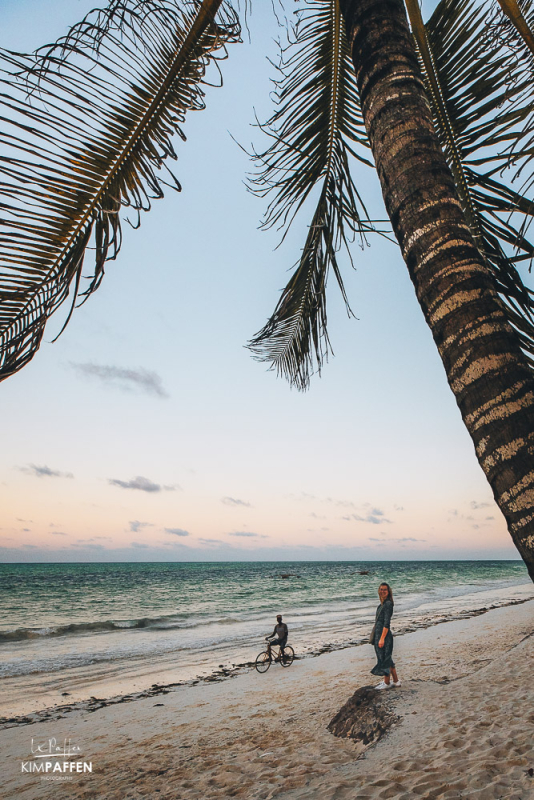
x=128, y=380
x=136, y=525
x=141, y=484
x=362, y=512
x=408, y=539
x=91, y=540
x=400, y=540
x=176, y=531
x=248, y=534
x=173, y=545
x=375, y=518
x=476, y=523
x=340, y=503
x=44, y=472
x=57, y=533
x=234, y=501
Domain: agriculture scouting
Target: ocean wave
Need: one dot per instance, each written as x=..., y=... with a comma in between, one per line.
x=107, y=626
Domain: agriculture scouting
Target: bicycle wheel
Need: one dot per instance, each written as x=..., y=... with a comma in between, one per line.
x=263, y=662
x=289, y=655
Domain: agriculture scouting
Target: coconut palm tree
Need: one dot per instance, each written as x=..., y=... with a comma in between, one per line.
x=451, y=217
x=441, y=109
x=446, y=109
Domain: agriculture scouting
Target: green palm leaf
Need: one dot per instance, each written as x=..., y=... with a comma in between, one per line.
x=481, y=87
x=514, y=30
x=86, y=126
x=317, y=129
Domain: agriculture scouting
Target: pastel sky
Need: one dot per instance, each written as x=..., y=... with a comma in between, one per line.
x=147, y=431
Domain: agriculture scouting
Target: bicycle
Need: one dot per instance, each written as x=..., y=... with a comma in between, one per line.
x=265, y=659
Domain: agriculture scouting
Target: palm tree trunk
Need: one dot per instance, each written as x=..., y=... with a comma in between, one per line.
x=490, y=376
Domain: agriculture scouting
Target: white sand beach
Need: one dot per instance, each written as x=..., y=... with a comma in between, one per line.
x=465, y=731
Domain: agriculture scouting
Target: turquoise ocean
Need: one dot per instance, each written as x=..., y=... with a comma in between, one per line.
x=64, y=625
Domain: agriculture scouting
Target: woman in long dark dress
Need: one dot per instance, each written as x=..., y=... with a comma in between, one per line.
x=383, y=640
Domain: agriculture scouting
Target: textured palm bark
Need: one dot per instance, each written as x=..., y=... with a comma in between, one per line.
x=486, y=369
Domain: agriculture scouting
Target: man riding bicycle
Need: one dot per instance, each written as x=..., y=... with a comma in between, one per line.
x=278, y=636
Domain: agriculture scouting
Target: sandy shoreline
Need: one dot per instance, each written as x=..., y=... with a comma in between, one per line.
x=31, y=697
x=465, y=730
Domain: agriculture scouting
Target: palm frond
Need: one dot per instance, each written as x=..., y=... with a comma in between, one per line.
x=481, y=85
x=316, y=130
x=513, y=29
x=513, y=10
x=86, y=126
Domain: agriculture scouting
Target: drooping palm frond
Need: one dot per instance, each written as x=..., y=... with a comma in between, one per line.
x=481, y=90
x=317, y=129
x=520, y=16
x=86, y=126
x=514, y=30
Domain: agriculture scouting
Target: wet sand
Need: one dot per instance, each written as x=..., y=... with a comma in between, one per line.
x=465, y=731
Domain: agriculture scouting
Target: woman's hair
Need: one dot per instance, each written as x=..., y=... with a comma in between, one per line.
x=390, y=593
